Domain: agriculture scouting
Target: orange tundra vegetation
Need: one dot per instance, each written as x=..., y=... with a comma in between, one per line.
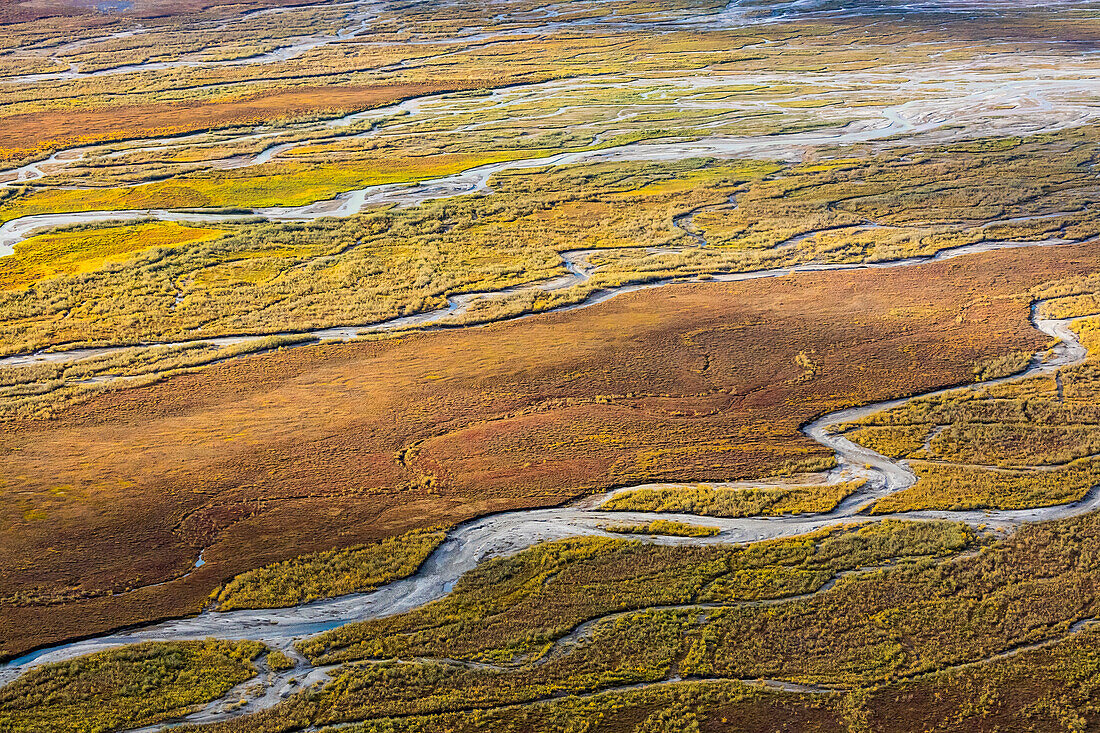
x=37, y=133
x=328, y=446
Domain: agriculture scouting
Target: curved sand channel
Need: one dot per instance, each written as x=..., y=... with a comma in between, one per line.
x=934, y=103
x=510, y=532
x=579, y=270
x=475, y=180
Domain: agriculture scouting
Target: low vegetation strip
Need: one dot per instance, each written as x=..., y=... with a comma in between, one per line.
x=334, y=573
x=510, y=608
x=290, y=276
x=78, y=251
x=724, y=501
x=664, y=527
x=515, y=630
x=1049, y=688
x=914, y=634
x=283, y=184
x=126, y=687
x=1016, y=445
x=941, y=486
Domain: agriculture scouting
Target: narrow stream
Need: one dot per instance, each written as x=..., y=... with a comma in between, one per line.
x=938, y=104
x=510, y=532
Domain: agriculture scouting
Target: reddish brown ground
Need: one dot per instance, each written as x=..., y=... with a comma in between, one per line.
x=29, y=134
x=271, y=456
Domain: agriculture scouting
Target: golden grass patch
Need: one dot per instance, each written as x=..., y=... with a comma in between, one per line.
x=944, y=486
x=84, y=250
x=126, y=687
x=328, y=574
x=728, y=501
x=664, y=527
x=274, y=184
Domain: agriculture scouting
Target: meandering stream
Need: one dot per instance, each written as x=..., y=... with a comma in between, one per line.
x=510, y=532
x=468, y=544
x=932, y=102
